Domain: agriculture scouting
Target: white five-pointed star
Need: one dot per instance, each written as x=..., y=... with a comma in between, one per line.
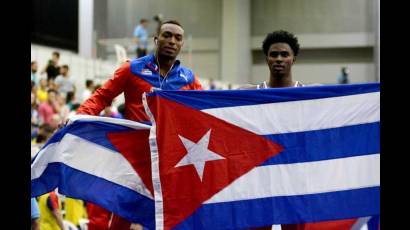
x=198, y=154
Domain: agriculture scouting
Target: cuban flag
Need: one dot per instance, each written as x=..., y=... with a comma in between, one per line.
x=249, y=158
x=102, y=160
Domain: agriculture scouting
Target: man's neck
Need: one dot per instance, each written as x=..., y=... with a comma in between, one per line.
x=165, y=64
x=281, y=81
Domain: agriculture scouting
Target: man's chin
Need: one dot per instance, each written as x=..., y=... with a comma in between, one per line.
x=169, y=55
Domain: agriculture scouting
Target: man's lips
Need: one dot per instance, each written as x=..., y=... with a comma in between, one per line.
x=170, y=49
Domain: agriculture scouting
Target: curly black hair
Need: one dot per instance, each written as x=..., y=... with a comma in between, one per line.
x=281, y=36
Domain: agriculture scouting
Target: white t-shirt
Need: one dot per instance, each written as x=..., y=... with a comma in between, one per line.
x=65, y=85
x=86, y=94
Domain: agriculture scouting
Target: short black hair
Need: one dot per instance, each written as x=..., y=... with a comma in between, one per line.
x=175, y=22
x=56, y=53
x=65, y=67
x=143, y=20
x=280, y=36
x=52, y=91
x=88, y=83
x=121, y=109
x=69, y=97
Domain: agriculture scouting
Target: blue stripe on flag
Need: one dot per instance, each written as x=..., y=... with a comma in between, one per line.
x=80, y=185
x=373, y=223
x=286, y=209
x=93, y=131
x=348, y=141
x=208, y=99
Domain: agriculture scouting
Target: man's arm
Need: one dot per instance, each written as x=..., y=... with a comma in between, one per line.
x=52, y=203
x=103, y=96
x=196, y=85
x=35, y=215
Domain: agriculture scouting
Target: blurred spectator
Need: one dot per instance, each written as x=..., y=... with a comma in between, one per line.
x=34, y=76
x=63, y=82
x=73, y=109
x=159, y=19
x=44, y=133
x=212, y=84
x=74, y=211
x=64, y=108
x=35, y=215
x=52, y=69
x=121, y=109
x=229, y=86
x=141, y=38
x=344, y=76
x=48, y=108
x=71, y=100
x=50, y=212
x=55, y=121
x=97, y=87
x=89, y=87
x=35, y=118
x=42, y=91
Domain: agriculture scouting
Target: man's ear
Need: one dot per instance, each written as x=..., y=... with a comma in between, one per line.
x=156, y=40
x=294, y=60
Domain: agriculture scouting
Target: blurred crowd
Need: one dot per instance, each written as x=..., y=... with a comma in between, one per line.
x=54, y=99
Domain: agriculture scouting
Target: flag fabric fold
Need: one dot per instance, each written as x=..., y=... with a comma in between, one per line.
x=100, y=160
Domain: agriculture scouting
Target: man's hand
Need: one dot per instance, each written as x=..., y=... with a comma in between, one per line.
x=136, y=227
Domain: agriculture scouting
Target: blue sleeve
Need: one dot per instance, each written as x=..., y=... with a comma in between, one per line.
x=35, y=212
x=137, y=32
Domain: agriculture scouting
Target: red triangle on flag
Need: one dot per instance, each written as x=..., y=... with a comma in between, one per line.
x=134, y=146
x=183, y=191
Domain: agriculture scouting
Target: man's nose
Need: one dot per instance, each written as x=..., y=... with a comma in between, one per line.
x=172, y=41
x=279, y=58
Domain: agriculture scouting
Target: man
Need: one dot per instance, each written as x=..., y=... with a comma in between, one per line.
x=281, y=49
x=89, y=87
x=47, y=109
x=344, y=76
x=63, y=82
x=155, y=71
x=52, y=69
x=34, y=76
x=141, y=38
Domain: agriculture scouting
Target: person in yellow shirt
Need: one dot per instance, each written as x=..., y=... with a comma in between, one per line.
x=74, y=210
x=50, y=214
x=42, y=91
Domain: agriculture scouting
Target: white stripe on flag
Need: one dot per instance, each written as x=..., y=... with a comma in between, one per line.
x=303, y=178
x=90, y=158
x=123, y=122
x=289, y=117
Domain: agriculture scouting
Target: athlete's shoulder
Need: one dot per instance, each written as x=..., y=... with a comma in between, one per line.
x=186, y=73
x=144, y=65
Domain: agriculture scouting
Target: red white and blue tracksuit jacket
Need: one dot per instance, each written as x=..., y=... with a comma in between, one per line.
x=133, y=78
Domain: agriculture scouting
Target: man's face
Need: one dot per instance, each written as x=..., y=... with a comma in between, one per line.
x=145, y=24
x=55, y=58
x=34, y=67
x=280, y=59
x=170, y=40
x=51, y=97
x=63, y=71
